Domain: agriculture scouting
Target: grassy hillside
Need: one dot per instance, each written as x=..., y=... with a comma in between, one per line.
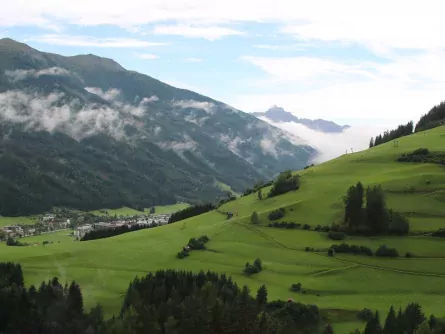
x=338, y=285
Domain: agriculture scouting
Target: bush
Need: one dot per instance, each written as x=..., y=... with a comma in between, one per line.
x=296, y=287
x=182, y=254
x=288, y=225
x=336, y=235
x=306, y=227
x=384, y=251
x=254, y=219
x=307, y=249
x=284, y=183
x=439, y=233
x=398, y=225
x=196, y=244
x=250, y=269
x=352, y=249
x=409, y=255
x=277, y=214
x=325, y=229
x=318, y=228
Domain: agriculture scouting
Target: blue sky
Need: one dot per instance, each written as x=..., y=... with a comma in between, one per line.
x=353, y=62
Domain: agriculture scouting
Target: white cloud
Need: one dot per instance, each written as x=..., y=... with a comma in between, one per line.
x=148, y=56
x=193, y=60
x=397, y=23
x=110, y=95
x=53, y=112
x=330, y=145
x=192, y=104
x=89, y=41
x=210, y=33
x=17, y=75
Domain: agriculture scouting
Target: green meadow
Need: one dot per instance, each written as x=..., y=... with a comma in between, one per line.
x=339, y=285
x=125, y=211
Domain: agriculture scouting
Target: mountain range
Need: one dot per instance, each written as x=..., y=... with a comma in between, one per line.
x=86, y=133
x=278, y=114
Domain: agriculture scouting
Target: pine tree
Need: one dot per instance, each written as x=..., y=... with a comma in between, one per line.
x=260, y=194
x=254, y=218
x=391, y=322
x=376, y=213
x=261, y=296
x=371, y=142
x=75, y=299
x=373, y=325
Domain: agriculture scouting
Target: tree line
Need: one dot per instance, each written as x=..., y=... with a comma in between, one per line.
x=410, y=320
x=434, y=118
x=191, y=211
x=402, y=130
x=367, y=212
x=111, y=232
x=167, y=301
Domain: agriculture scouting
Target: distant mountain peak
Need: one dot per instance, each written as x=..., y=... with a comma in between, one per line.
x=12, y=45
x=278, y=114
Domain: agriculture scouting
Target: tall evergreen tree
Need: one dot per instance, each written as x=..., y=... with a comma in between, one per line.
x=376, y=212
x=391, y=322
x=254, y=218
x=75, y=299
x=260, y=194
x=261, y=296
x=371, y=142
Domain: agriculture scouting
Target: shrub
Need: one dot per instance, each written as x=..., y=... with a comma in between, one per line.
x=409, y=255
x=384, y=251
x=352, y=249
x=203, y=238
x=182, y=254
x=439, y=233
x=306, y=227
x=277, y=214
x=325, y=229
x=307, y=249
x=254, y=219
x=318, y=228
x=284, y=183
x=336, y=235
x=296, y=287
x=196, y=244
x=250, y=269
x=398, y=224
x=288, y=225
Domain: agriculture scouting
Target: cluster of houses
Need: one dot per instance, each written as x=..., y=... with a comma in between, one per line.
x=43, y=224
x=160, y=219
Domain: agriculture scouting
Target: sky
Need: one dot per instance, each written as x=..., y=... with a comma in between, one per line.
x=364, y=63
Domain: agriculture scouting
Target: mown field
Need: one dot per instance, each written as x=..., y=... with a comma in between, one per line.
x=338, y=285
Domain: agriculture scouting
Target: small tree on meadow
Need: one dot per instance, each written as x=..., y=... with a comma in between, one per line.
x=260, y=194
x=254, y=218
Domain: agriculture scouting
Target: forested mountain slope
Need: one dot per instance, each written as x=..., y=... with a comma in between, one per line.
x=86, y=133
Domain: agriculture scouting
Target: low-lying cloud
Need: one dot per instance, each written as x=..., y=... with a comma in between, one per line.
x=332, y=145
x=208, y=107
x=18, y=75
x=55, y=112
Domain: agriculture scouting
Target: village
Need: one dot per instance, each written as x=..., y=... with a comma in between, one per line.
x=77, y=225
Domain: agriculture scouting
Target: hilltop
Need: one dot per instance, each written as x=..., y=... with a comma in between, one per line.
x=83, y=132
x=340, y=285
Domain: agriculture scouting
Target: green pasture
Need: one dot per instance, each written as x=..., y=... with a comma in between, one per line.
x=7, y=221
x=125, y=211
x=340, y=285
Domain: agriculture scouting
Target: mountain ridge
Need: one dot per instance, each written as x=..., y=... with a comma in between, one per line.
x=121, y=120
x=278, y=114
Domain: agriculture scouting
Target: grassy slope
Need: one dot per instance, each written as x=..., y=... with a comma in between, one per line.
x=125, y=211
x=104, y=267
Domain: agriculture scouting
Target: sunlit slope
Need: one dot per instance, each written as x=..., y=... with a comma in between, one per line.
x=417, y=190
x=104, y=267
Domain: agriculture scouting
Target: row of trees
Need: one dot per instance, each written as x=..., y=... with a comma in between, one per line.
x=191, y=211
x=167, y=301
x=374, y=217
x=402, y=130
x=434, y=118
x=111, y=232
x=411, y=320
x=193, y=244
